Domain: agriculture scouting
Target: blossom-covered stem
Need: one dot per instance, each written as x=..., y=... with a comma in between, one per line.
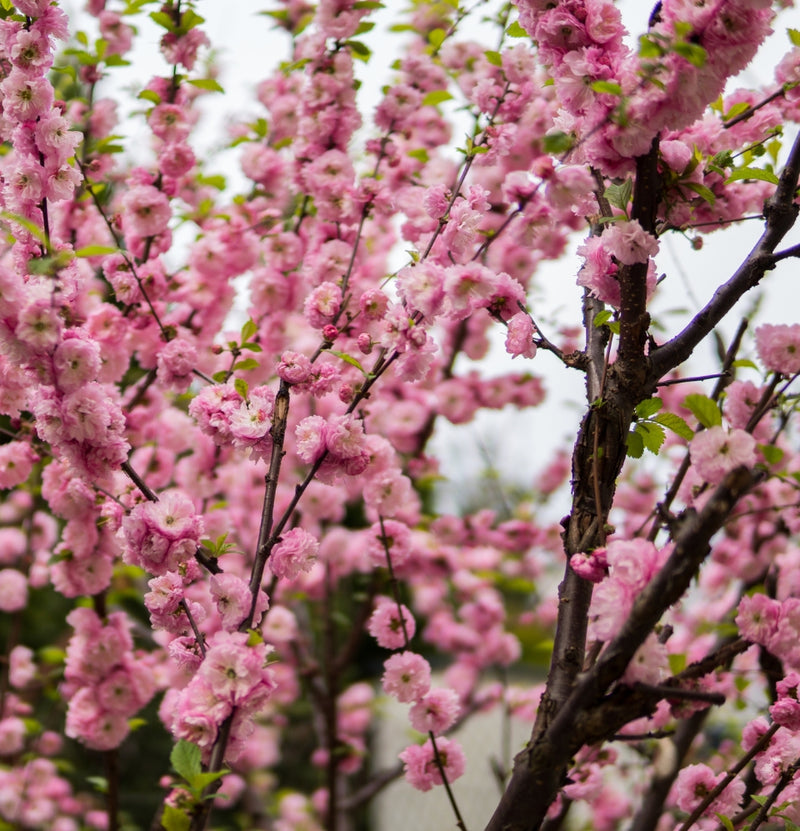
x=752, y=110
x=124, y=253
x=720, y=657
x=395, y=588
x=203, y=811
x=330, y=708
x=198, y=636
x=139, y=482
x=265, y=535
x=781, y=212
x=112, y=788
x=680, y=475
x=729, y=777
x=658, y=788
x=451, y=798
x=764, y=405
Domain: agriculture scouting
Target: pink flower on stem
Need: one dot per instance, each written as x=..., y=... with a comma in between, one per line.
x=407, y=677
x=160, y=536
x=146, y=211
x=786, y=710
x=295, y=553
x=779, y=347
x=519, y=340
x=420, y=768
x=629, y=242
x=387, y=622
x=715, y=452
x=435, y=712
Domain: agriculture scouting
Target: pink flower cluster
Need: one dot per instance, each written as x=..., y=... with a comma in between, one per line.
x=161, y=536
x=106, y=682
x=233, y=680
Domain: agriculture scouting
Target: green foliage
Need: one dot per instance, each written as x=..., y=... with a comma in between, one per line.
x=705, y=410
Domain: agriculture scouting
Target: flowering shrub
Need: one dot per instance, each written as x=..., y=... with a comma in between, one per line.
x=220, y=529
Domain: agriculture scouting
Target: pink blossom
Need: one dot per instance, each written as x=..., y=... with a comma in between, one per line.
x=779, y=347
x=16, y=463
x=176, y=362
x=295, y=553
x=233, y=599
x=407, y=676
x=715, y=452
x=391, y=627
x=629, y=242
x=146, y=211
x=519, y=340
x=758, y=617
x=435, y=712
x=13, y=590
x=421, y=770
x=160, y=536
x=235, y=671
x=21, y=667
x=786, y=710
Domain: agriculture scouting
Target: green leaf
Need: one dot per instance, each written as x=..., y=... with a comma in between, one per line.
x=29, y=226
x=620, y=195
x=436, y=37
x=648, y=408
x=635, y=445
x=248, y=330
x=186, y=759
x=557, y=143
x=701, y=190
x=794, y=36
x=692, y=52
x=99, y=783
x=163, y=19
x=736, y=109
x=602, y=318
x=247, y=364
x=150, y=95
x=96, y=250
x=348, y=359
x=677, y=662
x=242, y=387
x=610, y=87
x=744, y=363
x=652, y=435
x=251, y=346
x=220, y=376
x=208, y=84
x=675, y=423
x=704, y=409
x=494, y=58
x=173, y=819
x=726, y=823
x=515, y=30
x=359, y=50
x=772, y=455
x=752, y=173
x=435, y=97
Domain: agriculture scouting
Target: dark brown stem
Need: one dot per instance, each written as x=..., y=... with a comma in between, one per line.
x=112, y=788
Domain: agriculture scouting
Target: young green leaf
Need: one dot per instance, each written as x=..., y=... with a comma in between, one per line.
x=635, y=445
x=652, y=435
x=648, y=408
x=173, y=819
x=675, y=423
x=186, y=760
x=704, y=409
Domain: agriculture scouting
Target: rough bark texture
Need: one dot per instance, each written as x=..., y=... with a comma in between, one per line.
x=582, y=705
